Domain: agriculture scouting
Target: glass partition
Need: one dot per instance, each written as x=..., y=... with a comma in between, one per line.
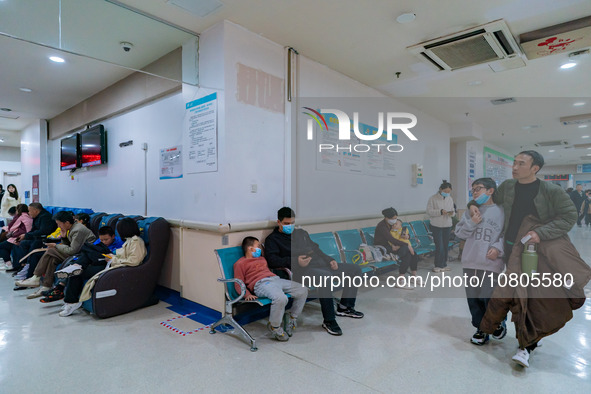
x=101, y=30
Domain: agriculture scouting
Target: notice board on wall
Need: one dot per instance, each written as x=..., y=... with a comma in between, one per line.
x=497, y=165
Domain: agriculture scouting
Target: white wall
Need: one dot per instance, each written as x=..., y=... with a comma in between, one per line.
x=329, y=194
x=254, y=136
x=10, y=162
x=109, y=187
x=31, y=155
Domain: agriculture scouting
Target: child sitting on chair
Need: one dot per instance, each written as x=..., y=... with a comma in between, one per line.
x=252, y=269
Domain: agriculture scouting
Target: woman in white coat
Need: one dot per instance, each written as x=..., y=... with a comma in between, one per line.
x=440, y=209
x=10, y=199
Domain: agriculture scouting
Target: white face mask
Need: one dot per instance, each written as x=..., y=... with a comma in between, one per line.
x=391, y=222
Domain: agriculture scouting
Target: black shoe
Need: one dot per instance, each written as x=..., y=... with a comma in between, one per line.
x=349, y=312
x=332, y=327
x=17, y=288
x=47, y=292
x=479, y=338
x=13, y=269
x=500, y=332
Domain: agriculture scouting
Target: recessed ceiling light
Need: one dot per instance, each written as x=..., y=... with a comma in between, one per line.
x=56, y=59
x=551, y=150
x=568, y=65
x=26, y=90
x=585, y=136
x=579, y=103
x=5, y=109
x=406, y=18
x=582, y=126
x=1, y=140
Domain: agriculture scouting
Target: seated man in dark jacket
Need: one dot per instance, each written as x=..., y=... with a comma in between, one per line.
x=309, y=260
x=43, y=225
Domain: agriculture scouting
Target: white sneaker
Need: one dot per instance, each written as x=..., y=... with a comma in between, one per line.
x=22, y=274
x=68, y=309
x=444, y=269
x=405, y=286
x=522, y=358
x=38, y=294
x=70, y=270
x=33, y=281
x=436, y=269
x=3, y=266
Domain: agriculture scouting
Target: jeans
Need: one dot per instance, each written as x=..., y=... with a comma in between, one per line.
x=324, y=292
x=478, y=297
x=441, y=240
x=5, y=248
x=22, y=249
x=275, y=288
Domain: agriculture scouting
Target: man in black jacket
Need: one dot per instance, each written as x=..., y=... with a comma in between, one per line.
x=285, y=244
x=43, y=225
x=578, y=198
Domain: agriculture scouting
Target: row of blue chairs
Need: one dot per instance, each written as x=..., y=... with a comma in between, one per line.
x=76, y=211
x=343, y=246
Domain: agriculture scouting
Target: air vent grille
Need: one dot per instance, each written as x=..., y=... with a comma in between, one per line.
x=466, y=52
x=551, y=143
x=490, y=43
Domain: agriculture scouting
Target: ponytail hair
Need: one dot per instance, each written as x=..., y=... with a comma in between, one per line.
x=444, y=185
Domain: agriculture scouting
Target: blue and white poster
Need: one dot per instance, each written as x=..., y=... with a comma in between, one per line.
x=201, y=135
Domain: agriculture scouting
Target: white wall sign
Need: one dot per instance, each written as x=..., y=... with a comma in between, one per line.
x=171, y=163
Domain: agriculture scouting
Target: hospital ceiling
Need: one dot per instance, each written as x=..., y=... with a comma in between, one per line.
x=360, y=39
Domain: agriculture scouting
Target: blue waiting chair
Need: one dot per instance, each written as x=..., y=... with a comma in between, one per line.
x=350, y=241
x=226, y=258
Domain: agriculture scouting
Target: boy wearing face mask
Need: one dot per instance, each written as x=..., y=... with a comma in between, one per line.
x=482, y=255
x=253, y=271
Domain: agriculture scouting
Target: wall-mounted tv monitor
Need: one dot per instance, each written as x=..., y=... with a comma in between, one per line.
x=93, y=146
x=69, y=157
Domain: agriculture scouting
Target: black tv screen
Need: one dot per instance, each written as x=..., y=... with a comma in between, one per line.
x=69, y=153
x=93, y=146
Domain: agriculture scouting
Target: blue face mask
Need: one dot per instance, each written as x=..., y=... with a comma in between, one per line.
x=445, y=194
x=256, y=253
x=288, y=228
x=482, y=199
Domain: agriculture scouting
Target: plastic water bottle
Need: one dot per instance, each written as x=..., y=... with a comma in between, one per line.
x=529, y=260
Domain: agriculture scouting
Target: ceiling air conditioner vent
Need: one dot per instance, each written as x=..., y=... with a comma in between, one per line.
x=551, y=143
x=481, y=44
x=576, y=119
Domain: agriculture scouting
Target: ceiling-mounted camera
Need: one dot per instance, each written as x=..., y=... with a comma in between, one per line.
x=126, y=46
